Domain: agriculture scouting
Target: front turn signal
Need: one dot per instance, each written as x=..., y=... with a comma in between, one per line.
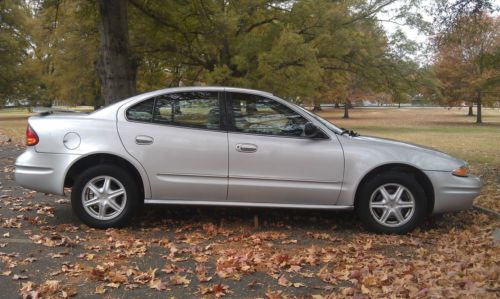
x=461, y=171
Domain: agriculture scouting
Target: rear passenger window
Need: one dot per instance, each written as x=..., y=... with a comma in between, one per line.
x=142, y=111
x=188, y=109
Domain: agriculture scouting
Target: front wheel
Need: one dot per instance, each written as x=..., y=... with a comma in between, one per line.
x=392, y=202
x=105, y=196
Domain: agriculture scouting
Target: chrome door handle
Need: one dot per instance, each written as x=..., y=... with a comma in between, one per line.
x=246, y=147
x=143, y=140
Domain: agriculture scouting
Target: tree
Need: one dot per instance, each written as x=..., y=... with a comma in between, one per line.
x=464, y=58
x=240, y=43
x=355, y=56
x=71, y=37
x=14, y=43
x=448, y=13
x=304, y=51
x=117, y=67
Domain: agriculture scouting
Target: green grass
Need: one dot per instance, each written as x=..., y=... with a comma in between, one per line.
x=14, y=111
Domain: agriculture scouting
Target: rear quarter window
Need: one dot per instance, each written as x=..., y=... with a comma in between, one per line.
x=141, y=112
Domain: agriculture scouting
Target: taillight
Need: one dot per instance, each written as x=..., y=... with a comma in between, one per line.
x=31, y=136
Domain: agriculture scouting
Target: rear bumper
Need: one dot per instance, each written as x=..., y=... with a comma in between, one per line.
x=42, y=171
x=452, y=193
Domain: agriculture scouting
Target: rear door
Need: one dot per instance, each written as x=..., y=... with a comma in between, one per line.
x=181, y=141
x=270, y=159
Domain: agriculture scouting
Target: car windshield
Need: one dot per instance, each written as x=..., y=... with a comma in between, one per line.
x=327, y=124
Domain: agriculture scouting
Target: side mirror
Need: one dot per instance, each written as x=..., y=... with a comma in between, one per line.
x=310, y=130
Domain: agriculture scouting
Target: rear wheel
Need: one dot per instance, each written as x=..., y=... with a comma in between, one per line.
x=105, y=196
x=392, y=202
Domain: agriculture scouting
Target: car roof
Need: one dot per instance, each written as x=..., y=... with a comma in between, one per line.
x=202, y=88
x=109, y=111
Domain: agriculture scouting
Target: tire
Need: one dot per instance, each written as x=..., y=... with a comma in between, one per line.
x=379, y=210
x=119, y=207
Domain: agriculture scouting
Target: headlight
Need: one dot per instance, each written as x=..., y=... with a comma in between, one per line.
x=462, y=171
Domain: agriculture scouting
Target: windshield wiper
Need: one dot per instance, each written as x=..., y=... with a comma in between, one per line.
x=349, y=132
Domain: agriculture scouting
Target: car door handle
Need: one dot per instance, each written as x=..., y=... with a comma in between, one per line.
x=143, y=140
x=246, y=147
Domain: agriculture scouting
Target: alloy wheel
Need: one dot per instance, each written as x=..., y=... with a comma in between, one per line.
x=104, y=197
x=392, y=205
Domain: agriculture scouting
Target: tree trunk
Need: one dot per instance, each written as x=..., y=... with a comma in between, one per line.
x=317, y=106
x=471, y=113
x=479, y=118
x=337, y=105
x=346, y=109
x=116, y=67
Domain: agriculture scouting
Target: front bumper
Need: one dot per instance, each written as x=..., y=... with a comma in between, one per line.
x=42, y=171
x=452, y=193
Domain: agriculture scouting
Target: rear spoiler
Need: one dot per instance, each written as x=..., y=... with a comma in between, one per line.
x=52, y=111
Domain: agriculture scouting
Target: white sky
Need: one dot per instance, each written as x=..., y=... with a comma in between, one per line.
x=411, y=33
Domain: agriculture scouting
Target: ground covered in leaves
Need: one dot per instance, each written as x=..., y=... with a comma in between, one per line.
x=217, y=252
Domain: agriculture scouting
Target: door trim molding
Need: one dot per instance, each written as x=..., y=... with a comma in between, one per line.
x=203, y=175
x=242, y=177
x=281, y=179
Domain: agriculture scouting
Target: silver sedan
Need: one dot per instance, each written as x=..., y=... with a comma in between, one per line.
x=234, y=147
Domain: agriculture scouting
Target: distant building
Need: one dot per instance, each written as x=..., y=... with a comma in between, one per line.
x=16, y=103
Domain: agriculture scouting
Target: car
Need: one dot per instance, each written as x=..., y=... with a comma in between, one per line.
x=225, y=146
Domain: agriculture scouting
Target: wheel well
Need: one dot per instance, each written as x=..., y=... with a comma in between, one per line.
x=421, y=178
x=96, y=159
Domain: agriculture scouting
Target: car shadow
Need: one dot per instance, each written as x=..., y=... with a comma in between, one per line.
x=256, y=218
x=260, y=219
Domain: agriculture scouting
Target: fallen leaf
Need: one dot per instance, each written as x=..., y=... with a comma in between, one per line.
x=218, y=290
x=179, y=280
x=158, y=285
x=113, y=285
x=282, y=281
x=100, y=290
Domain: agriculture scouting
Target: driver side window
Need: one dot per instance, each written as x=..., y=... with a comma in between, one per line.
x=259, y=115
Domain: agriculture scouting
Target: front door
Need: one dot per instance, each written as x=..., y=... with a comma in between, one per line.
x=270, y=159
x=180, y=141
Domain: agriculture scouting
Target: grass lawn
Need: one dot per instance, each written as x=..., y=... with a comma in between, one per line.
x=13, y=111
x=448, y=130
x=13, y=127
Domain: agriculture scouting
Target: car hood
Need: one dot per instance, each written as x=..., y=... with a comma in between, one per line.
x=410, y=146
x=392, y=151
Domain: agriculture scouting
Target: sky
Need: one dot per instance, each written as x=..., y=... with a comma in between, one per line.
x=412, y=33
x=388, y=14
